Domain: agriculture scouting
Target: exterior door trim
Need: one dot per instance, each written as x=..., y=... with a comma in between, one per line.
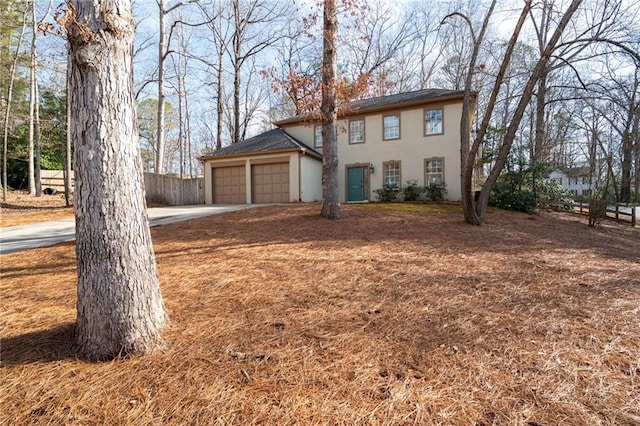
x=365, y=183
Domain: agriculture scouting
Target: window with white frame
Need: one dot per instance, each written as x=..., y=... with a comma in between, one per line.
x=433, y=122
x=391, y=127
x=317, y=137
x=391, y=173
x=434, y=171
x=356, y=131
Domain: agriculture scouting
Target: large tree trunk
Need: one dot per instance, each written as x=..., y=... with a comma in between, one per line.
x=628, y=143
x=34, y=112
x=161, y=93
x=189, y=153
x=237, y=46
x=539, y=155
x=37, y=133
x=468, y=161
x=636, y=138
x=331, y=208
x=7, y=111
x=37, y=148
x=625, y=169
x=468, y=164
x=119, y=307
x=178, y=72
x=505, y=148
x=67, y=145
x=219, y=100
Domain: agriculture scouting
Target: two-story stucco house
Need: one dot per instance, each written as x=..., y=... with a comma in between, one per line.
x=391, y=139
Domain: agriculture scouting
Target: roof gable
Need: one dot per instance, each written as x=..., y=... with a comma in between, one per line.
x=575, y=172
x=271, y=141
x=578, y=171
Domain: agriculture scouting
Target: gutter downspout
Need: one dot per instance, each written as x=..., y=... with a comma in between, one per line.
x=302, y=154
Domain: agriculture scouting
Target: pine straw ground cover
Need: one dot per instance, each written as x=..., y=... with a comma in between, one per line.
x=21, y=208
x=386, y=317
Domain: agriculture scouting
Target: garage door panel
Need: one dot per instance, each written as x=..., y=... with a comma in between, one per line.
x=270, y=183
x=229, y=185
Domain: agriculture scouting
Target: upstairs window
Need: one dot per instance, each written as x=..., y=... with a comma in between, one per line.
x=433, y=122
x=391, y=173
x=317, y=137
x=356, y=131
x=391, y=127
x=434, y=171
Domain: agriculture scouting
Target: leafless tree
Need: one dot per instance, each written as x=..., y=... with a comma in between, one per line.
x=216, y=20
x=35, y=184
x=475, y=211
x=373, y=46
x=163, y=53
x=9, y=98
x=256, y=27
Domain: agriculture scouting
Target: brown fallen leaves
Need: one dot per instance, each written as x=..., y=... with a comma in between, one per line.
x=384, y=317
x=22, y=208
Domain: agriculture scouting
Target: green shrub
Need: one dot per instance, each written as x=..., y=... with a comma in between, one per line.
x=552, y=195
x=387, y=193
x=509, y=193
x=412, y=191
x=519, y=200
x=436, y=191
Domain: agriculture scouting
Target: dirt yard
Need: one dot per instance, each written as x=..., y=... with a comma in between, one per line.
x=385, y=318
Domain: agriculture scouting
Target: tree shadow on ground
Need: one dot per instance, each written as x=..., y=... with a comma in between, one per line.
x=23, y=207
x=507, y=233
x=39, y=346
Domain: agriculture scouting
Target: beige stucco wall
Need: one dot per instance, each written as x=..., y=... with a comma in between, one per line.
x=301, y=185
x=310, y=179
x=411, y=149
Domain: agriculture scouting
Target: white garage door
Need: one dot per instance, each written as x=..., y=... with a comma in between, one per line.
x=229, y=185
x=270, y=183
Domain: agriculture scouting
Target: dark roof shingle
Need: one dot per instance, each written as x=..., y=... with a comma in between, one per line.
x=385, y=102
x=273, y=140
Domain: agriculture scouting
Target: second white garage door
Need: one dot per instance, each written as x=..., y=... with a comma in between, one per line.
x=270, y=183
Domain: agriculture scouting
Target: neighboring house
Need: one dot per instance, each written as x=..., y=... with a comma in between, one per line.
x=391, y=139
x=575, y=180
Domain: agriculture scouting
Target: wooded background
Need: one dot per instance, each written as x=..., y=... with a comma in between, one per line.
x=213, y=72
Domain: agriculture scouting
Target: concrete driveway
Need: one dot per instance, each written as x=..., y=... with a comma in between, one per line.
x=23, y=237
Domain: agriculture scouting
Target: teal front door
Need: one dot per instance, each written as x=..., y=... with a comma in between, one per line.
x=356, y=184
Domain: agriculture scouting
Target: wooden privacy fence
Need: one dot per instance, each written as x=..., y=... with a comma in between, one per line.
x=619, y=212
x=54, y=179
x=173, y=191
